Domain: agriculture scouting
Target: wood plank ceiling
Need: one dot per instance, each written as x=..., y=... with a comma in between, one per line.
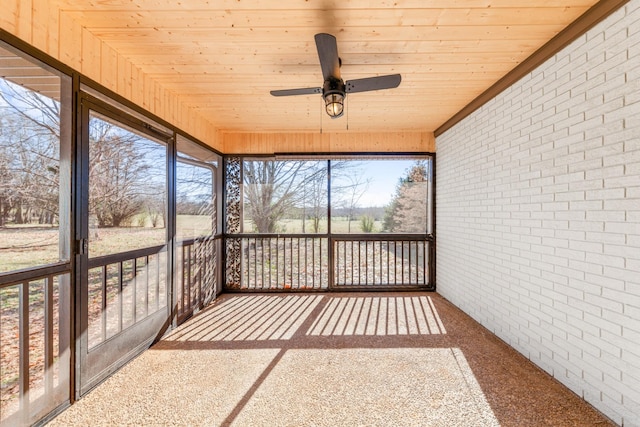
x=222, y=57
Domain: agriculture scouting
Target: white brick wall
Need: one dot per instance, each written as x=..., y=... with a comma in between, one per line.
x=538, y=216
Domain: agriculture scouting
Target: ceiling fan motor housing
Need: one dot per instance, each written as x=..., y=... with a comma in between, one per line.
x=333, y=85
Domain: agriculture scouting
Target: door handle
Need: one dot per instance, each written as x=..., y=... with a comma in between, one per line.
x=82, y=246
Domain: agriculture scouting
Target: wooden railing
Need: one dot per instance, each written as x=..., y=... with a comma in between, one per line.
x=380, y=261
x=123, y=289
x=271, y=262
x=197, y=275
x=34, y=334
x=282, y=262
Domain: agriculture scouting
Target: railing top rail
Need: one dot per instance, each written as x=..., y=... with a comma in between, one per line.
x=333, y=236
x=190, y=241
x=28, y=275
x=391, y=237
x=125, y=256
x=276, y=236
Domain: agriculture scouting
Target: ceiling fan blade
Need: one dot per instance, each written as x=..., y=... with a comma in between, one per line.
x=301, y=91
x=328, y=54
x=373, y=83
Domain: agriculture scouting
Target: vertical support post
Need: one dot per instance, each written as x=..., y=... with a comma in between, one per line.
x=79, y=288
x=433, y=244
x=330, y=242
x=170, y=285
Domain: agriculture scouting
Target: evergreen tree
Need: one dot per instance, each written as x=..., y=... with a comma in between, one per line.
x=407, y=211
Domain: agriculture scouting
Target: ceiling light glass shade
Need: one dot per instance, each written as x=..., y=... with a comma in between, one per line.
x=334, y=104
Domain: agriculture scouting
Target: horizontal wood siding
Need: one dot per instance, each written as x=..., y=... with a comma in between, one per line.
x=269, y=143
x=41, y=24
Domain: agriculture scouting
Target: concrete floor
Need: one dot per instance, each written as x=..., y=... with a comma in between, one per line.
x=402, y=359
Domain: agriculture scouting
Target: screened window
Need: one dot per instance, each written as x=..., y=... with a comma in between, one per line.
x=195, y=191
x=35, y=187
x=374, y=195
x=381, y=196
x=34, y=165
x=127, y=188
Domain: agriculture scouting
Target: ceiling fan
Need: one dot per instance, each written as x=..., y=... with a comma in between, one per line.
x=334, y=89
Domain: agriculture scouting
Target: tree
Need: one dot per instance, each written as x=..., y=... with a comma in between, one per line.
x=125, y=169
x=349, y=194
x=366, y=223
x=407, y=211
x=272, y=188
x=315, y=198
x=5, y=182
x=195, y=197
x=29, y=155
x=122, y=173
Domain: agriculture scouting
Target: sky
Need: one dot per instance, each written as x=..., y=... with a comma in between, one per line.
x=384, y=176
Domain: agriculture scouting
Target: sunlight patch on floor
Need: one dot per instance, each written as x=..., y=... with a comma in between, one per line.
x=250, y=318
x=379, y=315
x=347, y=387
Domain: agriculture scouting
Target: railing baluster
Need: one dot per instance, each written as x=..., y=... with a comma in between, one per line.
x=402, y=262
x=291, y=262
x=277, y=262
x=344, y=251
x=249, y=275
x=284, y=262
x=313, y=262
x=337, y=257
x=145, y=298
x=258, y=261
x=395, y=262
x=187, y=297
x=48, y=335
x=182, y=285
x=424, y=261
x=299, y=284
x=120, y=296
x=248, y=261
x=270, y=262
x=157, y=257
x=134, y=279
x=262, y=262
x=23, y=331
x=322, y=272
x=409, y=273
x=193, y=267
x=185, y=279
x=199, y=264
x=103, y=304
x=306, y=261
x=388, y=246
x=193, y=276
x=353, y=262
x=366, y=262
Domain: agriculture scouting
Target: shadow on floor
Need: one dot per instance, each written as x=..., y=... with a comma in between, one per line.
x=333, y=359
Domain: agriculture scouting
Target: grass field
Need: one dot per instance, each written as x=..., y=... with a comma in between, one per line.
x=30, y=246
x=339, y=225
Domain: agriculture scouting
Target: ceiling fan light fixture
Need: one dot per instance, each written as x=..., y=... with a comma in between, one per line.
x=333, y=93
x=334, y=104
